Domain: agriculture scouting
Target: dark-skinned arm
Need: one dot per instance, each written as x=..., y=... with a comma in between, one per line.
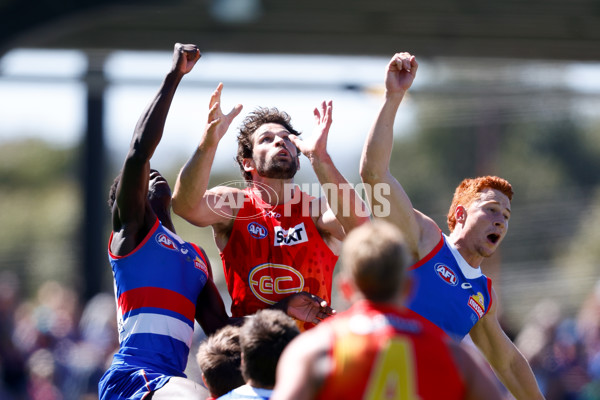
x=133, y=186
x=305, y=307
x=210, y=310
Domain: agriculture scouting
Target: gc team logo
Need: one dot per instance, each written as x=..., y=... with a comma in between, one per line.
x=165, y=241
x=446, y=274
x=269, y=289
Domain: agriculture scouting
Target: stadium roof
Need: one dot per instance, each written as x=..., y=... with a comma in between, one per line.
x=530, y=29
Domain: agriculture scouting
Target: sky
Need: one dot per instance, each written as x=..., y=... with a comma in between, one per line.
x=41, y=95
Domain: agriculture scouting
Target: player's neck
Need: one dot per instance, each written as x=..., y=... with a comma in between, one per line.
x=252, y=383
x=472, y=257
x=274, y=191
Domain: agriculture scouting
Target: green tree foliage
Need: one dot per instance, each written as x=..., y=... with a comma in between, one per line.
x=553, y=165
x=32, y=162
x=41, y=207
x=544, y=160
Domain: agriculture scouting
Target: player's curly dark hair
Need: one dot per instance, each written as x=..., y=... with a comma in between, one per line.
x=112, y=193
x=253, y=121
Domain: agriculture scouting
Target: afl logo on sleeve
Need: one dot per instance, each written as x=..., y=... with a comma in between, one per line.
x=165, y=241
x=290, y=237
x=269, y=281
x=256, y=230
x=446, y=274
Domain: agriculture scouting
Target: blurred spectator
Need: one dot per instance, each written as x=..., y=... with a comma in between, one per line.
x=41, y=368
x=49, y=349
x=564, y=352
x=12, y=367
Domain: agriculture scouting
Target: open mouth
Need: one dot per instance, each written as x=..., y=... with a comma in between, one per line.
x=493, y=238
x=284, y=153
x=157, y=178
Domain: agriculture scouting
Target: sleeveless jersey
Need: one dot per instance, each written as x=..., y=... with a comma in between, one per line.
x=274, y=251
x=156, y=289
x=382, y=352
x=448, y=291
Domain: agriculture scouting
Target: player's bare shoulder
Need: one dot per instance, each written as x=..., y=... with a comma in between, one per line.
x=430, y=233
x=224, y=203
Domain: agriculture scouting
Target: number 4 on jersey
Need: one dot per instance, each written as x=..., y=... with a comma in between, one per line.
x=393, y=373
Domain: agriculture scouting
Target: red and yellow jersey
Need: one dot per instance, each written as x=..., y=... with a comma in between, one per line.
x=274, y=251
x=381, y=352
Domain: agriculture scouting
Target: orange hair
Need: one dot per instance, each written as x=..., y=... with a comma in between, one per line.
x=467, y=192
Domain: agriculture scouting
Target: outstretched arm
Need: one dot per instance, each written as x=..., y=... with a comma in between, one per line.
x=210, y=310
x=191, y=199
x=305, y=307
x=507, y=361
x=133, y=186
x=479, y=381
x=345, y=210
x=387, y=197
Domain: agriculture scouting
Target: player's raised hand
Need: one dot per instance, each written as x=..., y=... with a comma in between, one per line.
x=218, y=123
x=316, y=145
x=185, y=57
x=401, y=72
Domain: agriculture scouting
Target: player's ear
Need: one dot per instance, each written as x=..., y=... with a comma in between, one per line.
x=346, y=286
x=204, y=380
x=460, y=214
x=248, y=164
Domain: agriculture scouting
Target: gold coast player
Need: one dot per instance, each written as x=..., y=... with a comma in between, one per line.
x=274, y=239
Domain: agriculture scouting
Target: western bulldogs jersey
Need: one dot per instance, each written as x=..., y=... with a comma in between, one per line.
x=274, y=251
x=381, y=352
x=156, y=289
x=448, y=291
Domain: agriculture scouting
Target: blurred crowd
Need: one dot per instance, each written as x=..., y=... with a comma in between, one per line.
x=564, y=351
x=53, y=347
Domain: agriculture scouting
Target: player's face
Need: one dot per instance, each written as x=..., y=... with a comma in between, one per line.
x=274, y=155
x=487, y=219
x=159, y=191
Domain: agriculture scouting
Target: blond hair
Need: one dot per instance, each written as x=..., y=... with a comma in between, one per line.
x=375, y=256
